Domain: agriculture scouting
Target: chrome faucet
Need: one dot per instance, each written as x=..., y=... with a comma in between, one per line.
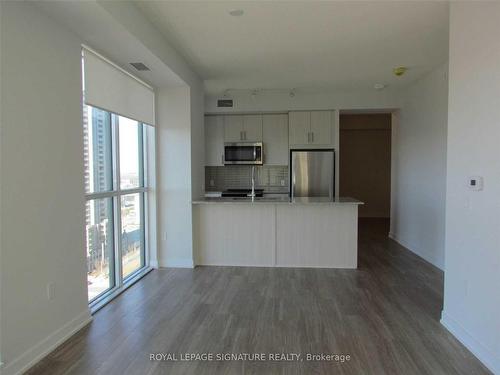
x=252, y=194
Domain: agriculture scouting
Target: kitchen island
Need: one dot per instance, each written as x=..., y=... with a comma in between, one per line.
x=276, y=232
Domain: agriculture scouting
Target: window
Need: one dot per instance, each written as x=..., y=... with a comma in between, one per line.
x=99, y=230
x=132, y=233
x=116, y=191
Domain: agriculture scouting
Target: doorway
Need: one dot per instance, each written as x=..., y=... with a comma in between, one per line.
x=365, y=162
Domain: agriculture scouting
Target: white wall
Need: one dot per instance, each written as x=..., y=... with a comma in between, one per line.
x=1, y=206
x=472, y=277
x=197, y=140
x=418, y=212
x=281, y=101
x=174, y=177
x=42, y=195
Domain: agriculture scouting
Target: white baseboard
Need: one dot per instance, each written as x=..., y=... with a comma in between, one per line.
x=484, y=354
x=178, y=263
x=413, y=249
x=37, y=352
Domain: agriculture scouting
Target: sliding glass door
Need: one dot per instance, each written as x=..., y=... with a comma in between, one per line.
x=116, y=191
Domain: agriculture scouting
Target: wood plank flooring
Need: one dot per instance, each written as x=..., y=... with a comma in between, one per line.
x=385, y=315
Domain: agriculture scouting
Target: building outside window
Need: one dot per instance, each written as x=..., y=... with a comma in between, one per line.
x=116, y=190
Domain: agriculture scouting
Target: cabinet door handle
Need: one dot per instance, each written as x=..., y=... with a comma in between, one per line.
x=222, y=158
x=312, y=137
x=241, y=135
x=245, y=135
x=308, y=137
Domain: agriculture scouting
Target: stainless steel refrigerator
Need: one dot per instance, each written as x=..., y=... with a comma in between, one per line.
x=312, y=173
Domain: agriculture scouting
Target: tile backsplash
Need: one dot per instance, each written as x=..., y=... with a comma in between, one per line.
x=273, y=179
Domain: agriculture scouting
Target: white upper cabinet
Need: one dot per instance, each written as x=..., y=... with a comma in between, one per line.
x=278, y=132
x=252, y=128
x=321, y=127
x=243, y=128
x=311, y=128
x=233, y=128
x=275, y=139
x=299, y=127
x=214, y=141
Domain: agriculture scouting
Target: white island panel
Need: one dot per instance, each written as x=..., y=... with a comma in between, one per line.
x=307, y=232
x=317, y=236
x=234, y=235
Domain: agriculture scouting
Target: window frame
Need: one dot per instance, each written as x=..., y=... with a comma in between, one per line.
x=116, y=193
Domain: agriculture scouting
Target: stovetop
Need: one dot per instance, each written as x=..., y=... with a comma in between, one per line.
x=242, y=192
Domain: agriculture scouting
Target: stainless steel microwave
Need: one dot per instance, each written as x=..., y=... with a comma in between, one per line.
x=243, y=153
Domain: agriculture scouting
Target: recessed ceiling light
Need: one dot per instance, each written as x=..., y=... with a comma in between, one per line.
x=379, y=86
x=237, y=12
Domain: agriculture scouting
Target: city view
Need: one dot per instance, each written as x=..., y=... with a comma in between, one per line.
x=100, y=223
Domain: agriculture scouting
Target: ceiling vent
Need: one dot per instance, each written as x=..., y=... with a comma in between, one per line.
x=225, y=103
x=140, y=66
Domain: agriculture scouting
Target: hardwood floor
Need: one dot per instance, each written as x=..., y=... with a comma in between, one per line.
x=385, y=315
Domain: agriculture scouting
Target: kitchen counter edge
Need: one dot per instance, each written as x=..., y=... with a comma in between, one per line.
x=295, y=201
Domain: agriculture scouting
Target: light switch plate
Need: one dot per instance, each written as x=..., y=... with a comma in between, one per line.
x=51, y=291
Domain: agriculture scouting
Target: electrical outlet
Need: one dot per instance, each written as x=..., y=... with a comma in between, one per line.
x=164, y=236
x=51, y=291
x=282, y=182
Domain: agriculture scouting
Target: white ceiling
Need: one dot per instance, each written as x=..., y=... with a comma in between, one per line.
x=304, y=44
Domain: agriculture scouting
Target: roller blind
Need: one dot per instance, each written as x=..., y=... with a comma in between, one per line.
x=108, y=87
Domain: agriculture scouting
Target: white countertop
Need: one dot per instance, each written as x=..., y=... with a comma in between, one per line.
x=278, y=200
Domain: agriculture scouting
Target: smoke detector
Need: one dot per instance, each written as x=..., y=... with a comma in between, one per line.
x=399, y=71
